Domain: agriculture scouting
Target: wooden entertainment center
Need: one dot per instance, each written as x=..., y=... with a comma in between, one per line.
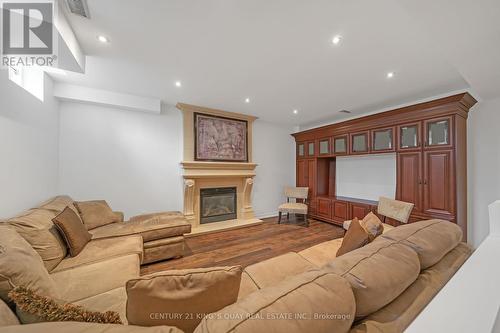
x=430, y=143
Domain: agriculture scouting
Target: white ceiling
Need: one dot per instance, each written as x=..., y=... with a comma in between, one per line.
x=279, y=53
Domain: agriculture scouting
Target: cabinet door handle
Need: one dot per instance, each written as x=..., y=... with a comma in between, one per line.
x=425, y=182
x=420, y=181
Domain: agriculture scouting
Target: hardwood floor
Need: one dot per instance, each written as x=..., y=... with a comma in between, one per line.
x=249, y=245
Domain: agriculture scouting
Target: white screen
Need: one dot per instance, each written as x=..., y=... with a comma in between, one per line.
x=366, y=177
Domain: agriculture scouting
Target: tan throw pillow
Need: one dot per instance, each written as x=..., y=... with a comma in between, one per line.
x=355, y=237
x=33, y=308
x=20, y=265
x=372, y=224
x=95, y=213
x=181, y=298
x=73, y=231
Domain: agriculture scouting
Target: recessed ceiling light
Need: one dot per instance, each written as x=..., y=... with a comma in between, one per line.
x=178, y=83
x=390, y=75
x=295, y=111
x=336, y=39
x=103, y=39
x=247, y=100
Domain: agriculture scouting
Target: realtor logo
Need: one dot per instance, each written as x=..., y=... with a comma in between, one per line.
x=28, y=33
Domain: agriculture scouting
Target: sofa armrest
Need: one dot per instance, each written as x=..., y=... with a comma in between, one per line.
x=96, y=278
x=119, y=216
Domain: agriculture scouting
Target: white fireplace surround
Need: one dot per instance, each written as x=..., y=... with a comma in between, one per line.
x=201, y=174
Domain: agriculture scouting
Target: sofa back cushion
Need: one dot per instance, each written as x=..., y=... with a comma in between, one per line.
x=57, y=204
x=20, y=265
x=7, y=317
x=378, y=273
x=314, y=301
x=95, y=213
x=181, y=298
x=431, y=239
x=37, y=228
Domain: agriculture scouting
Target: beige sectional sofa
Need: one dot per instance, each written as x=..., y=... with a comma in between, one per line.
x=379, y=288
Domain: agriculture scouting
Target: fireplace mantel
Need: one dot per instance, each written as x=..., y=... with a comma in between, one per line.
x=195, y=169
x=201, y=174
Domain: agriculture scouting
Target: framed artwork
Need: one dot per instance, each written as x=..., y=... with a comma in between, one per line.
x=220, y=139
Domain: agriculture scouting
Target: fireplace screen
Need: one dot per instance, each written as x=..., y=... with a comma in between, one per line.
x=217, y=204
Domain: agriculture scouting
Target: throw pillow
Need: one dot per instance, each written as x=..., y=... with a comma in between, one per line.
x=95, y=213
x=355, y=237
x=181, y=298
x=372, y=224
x=73, y=231
x=33, y=308
x=21, y=265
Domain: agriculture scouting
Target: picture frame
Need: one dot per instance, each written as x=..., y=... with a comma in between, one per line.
x=220, y=139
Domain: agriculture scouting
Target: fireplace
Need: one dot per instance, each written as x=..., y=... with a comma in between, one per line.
x=217, y=204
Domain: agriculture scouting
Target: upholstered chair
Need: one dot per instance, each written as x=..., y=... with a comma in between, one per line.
x=297, y=206
x=390, y=208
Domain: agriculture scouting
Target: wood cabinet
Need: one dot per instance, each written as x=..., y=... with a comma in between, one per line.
x=324, y=208
x=429, y=140
x=438, y=183
x=360, y=143
x=340, y=211
x=359, y=210
x=409, y=179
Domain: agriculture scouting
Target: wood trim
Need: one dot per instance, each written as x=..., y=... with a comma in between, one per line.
x=452, y=104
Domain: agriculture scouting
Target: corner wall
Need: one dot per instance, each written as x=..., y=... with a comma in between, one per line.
x=132, y=159
x=483, y=164
x=28, y=146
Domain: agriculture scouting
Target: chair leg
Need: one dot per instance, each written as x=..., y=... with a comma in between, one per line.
x=279, y=217
x=306, y=219
x=288, y=216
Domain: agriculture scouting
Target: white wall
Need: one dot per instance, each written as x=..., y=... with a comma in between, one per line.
x=483, y=166
x=274, y=152
x=28, y=146
x=131, y=159
x=366, y=177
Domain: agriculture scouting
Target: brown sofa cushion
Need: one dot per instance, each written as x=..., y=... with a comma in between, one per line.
x=95, y=213
x=321, y=254
x=181, y=298
x=274, y=270
x=151, y=229
x=396, y=316
x=378, y=272
x=72, y=229
x=20, y=265
x=57, y=204
x=37, y=228
x=314, y=301
x=431, y=239
x=355, y=237
x=33, y=308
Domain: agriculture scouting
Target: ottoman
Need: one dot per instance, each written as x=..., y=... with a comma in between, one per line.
x=162, y=234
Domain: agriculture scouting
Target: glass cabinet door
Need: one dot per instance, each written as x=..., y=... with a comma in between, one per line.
x=382, y=139
x=310, y=149
x=300, y=150
x=324, y=146
x=409, y=136
x=340, y=145
x=359, y=143
x=438, y=132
